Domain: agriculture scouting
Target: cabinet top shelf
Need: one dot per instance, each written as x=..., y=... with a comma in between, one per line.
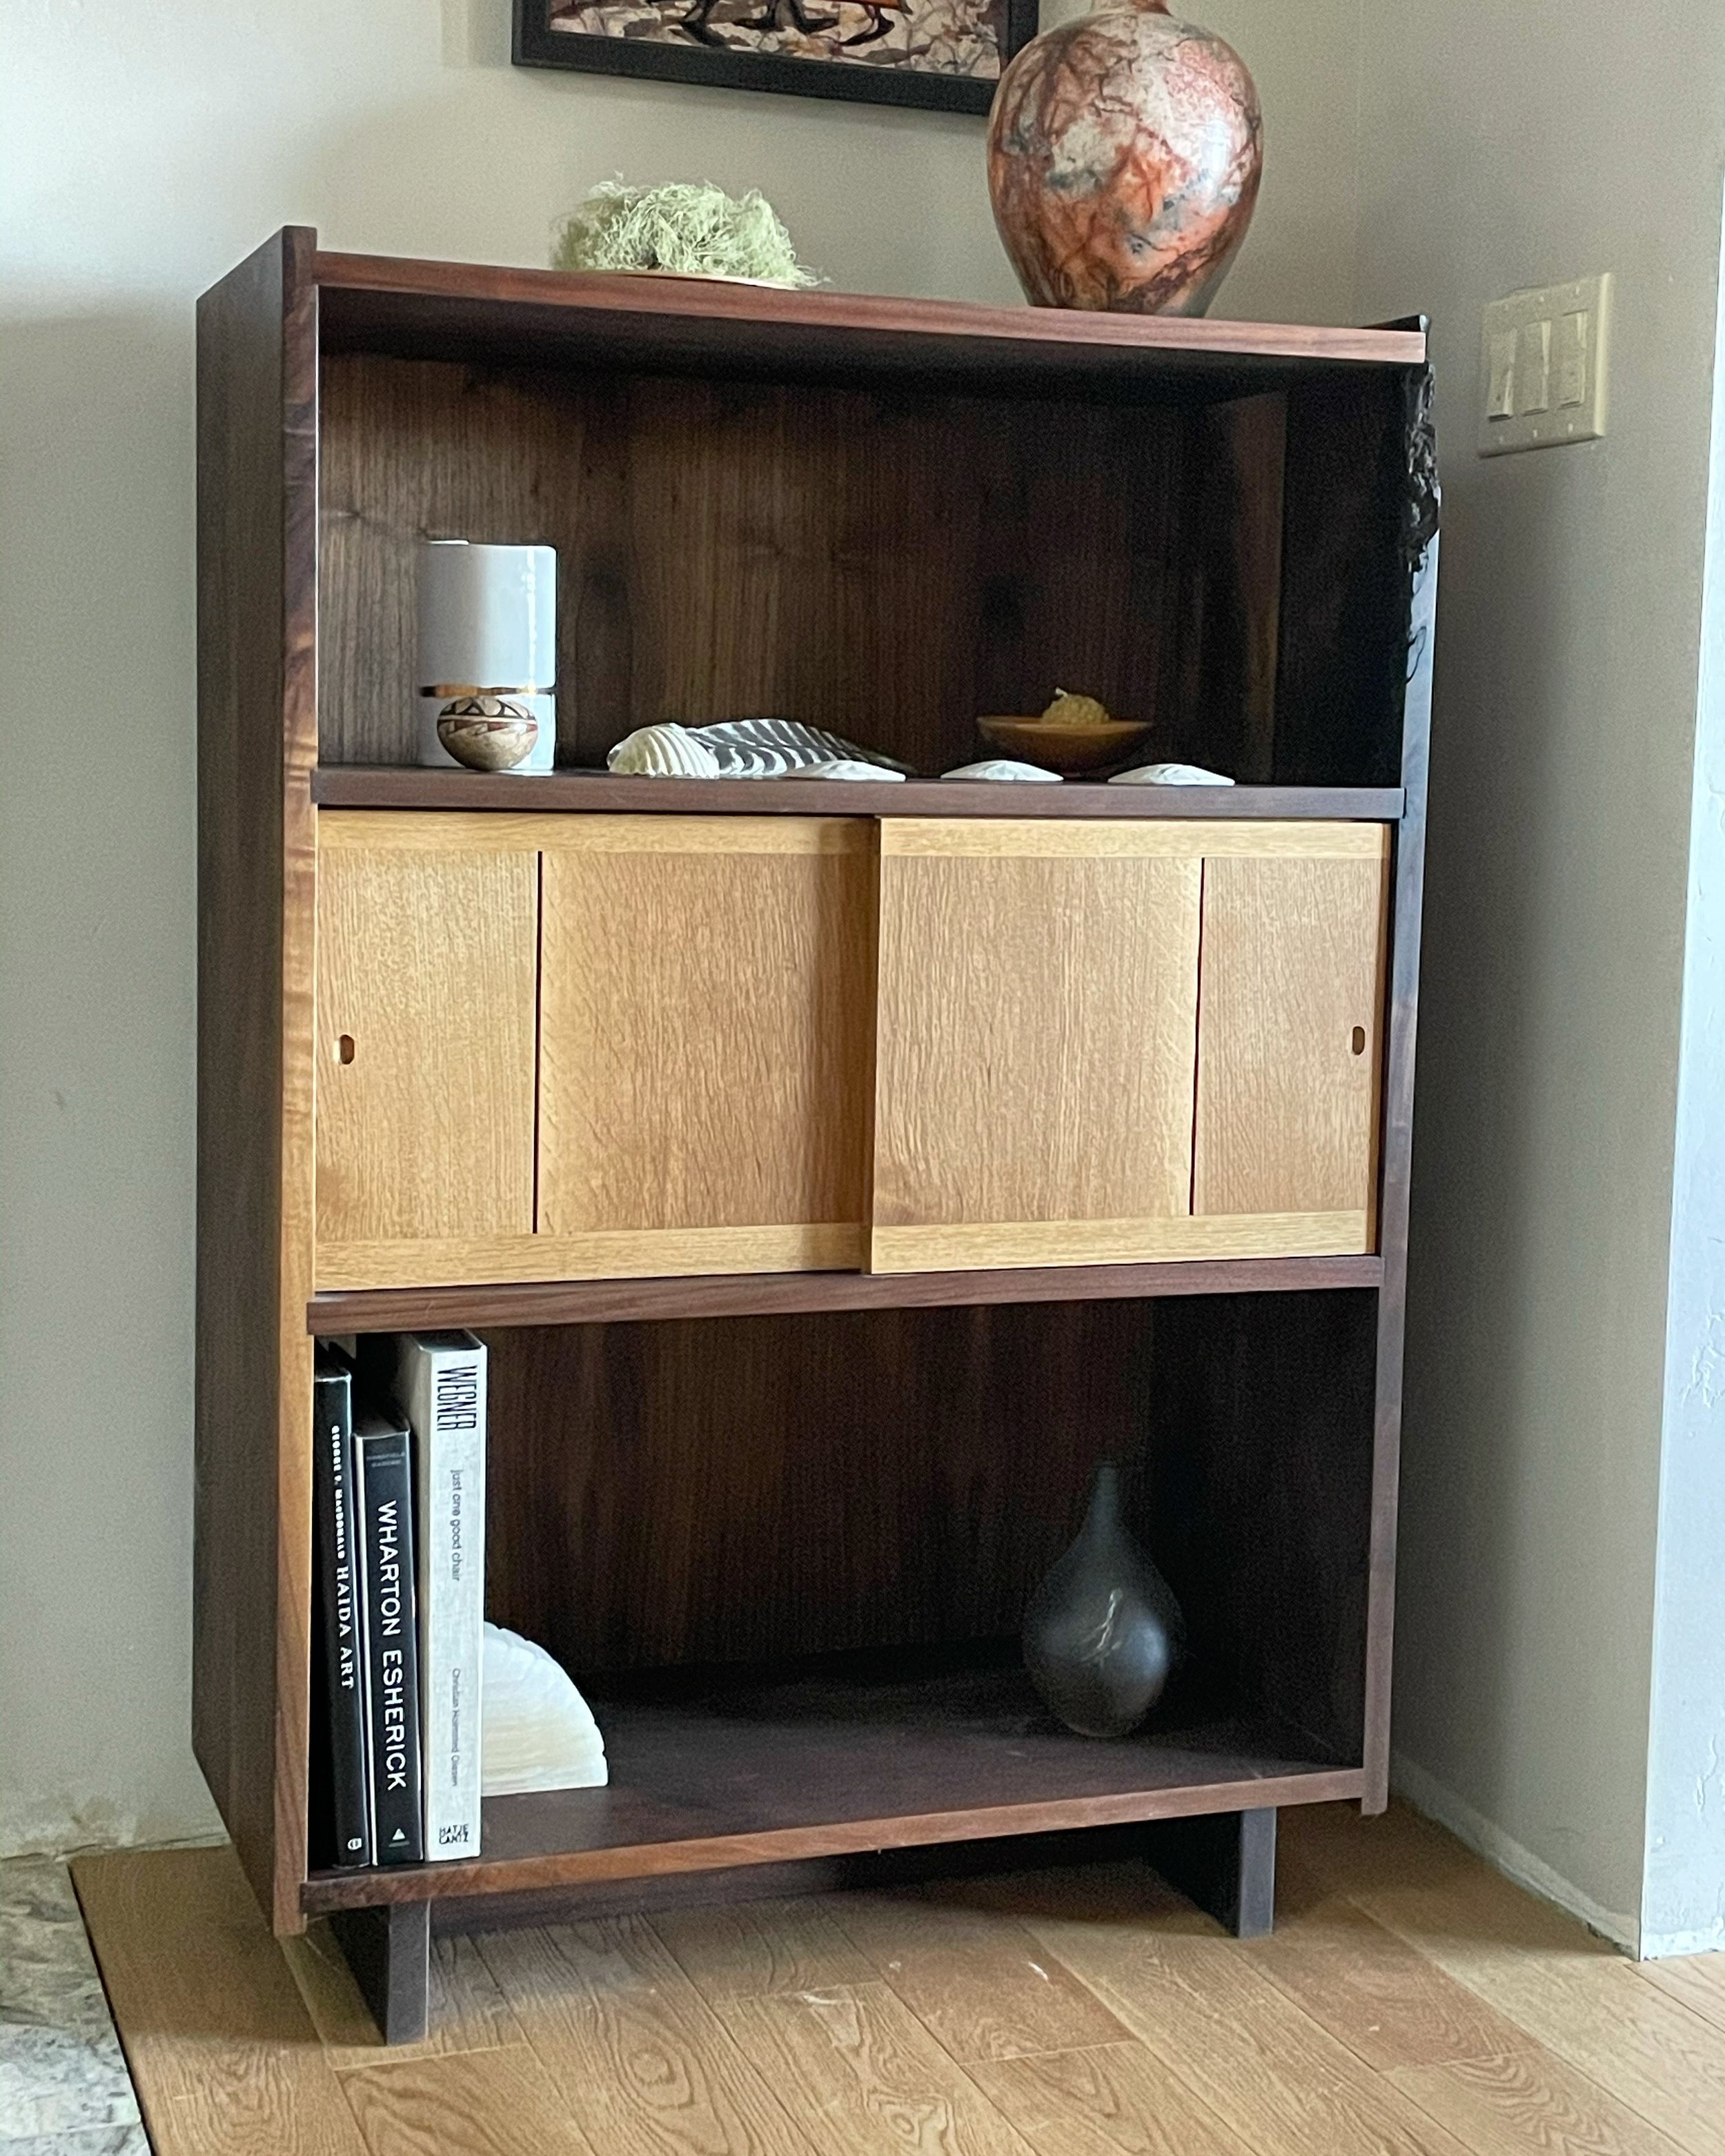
x=406, y=786
x=482, y=312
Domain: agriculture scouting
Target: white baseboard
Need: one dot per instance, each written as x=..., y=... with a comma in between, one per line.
x=1427, y=1794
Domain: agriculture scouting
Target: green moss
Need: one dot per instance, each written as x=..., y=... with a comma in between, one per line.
x=694, y=229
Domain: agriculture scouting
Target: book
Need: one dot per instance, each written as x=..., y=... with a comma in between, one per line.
x=384, y=1454
x=342, y=1781
x=441, y=1385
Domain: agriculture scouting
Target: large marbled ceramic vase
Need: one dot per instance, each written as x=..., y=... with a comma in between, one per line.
x=1124, y=153
x=1103, y=1632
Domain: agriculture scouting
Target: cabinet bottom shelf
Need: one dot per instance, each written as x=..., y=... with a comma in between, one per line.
x=772, y=1765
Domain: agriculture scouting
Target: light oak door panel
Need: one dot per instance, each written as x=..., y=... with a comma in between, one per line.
x=1289, y=1033
x=427, y=964
x=706, y=1044
x=1038, y=1011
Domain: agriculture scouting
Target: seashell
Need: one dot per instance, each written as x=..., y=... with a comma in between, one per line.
x=667, y=752
x=1002, y=766
x=846, y=767
x=767, y=748
x=487, y=733
x=1169, y=774
x=535, y=1730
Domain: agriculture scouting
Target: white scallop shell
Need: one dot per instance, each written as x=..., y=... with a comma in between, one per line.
x=1002, y=766
x=1169, y=774
x=846, y=767
x=537, y=1731
x=769, y=748
x=665, y=751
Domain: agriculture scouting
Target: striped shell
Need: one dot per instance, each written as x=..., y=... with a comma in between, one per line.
x=663, y=753
x=769, y=748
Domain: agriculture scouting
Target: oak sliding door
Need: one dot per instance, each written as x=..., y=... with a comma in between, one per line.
x=581, y=1047
x=1112, y=1041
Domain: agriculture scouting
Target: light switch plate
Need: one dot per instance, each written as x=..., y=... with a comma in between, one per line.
x=1543, y=366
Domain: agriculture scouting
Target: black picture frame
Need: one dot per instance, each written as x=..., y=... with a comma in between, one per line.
x=537, y=44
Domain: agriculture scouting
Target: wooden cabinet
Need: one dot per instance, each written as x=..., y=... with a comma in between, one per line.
x=1054, y=1000
x=473, y=1045
x=575, y=1047
x=427, y=980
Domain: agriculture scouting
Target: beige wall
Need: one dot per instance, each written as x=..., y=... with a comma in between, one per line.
x=147, y=147
x=1504, y=147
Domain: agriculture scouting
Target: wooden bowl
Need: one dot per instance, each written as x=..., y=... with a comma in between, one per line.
x=1067, y=750
x=494, y=739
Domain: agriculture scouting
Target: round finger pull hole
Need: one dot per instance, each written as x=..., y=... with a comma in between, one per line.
x=1359, y=1043
x=344, y=1046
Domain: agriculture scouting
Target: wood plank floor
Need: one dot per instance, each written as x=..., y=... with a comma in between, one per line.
x=1411, y=2003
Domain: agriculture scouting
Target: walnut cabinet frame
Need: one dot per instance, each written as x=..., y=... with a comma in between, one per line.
x=933, y=1142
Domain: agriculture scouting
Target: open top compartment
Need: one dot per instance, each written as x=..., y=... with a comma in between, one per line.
x=888, y=553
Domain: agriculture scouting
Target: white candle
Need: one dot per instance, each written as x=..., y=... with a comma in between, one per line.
x=487, y=627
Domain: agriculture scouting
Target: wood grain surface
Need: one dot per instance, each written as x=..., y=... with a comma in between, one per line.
x=1143, y=838
x=818, y=1482
x=635, y=2051
x=1289, y=1035
x=890, y=564
x=612, y=1254
x=488, y=2102
x=795, y=2046
x=1037, y=1026
x=861, y=2075
x=427, y=998
x=519, y=300
x=756, y=1294
x=595, y=792
x=706, y=1030
x=257, y=744
x=1213, y=1236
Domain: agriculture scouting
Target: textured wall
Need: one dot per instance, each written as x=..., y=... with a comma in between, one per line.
x=147, y=147
x=1494, y=143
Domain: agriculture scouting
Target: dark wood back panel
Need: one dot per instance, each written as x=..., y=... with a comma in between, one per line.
x=735, y=1489
x=890, y=563
x=1342, y=645
x=257, y=381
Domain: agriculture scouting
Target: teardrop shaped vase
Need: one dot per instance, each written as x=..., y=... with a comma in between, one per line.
x=1103, y=1632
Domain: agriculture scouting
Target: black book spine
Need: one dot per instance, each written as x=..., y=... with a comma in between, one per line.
x=392, y=1640
x=340, y=1604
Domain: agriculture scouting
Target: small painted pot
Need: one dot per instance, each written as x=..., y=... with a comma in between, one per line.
x=487, y=733
x=1124, y=154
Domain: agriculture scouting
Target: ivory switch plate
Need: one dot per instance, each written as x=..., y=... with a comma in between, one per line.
x=1543, y=357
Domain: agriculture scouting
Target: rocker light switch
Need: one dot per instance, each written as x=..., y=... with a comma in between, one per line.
x=1543, y=367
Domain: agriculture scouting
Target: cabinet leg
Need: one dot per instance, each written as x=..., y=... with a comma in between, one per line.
x=1225, y=1862
x=389, y=1952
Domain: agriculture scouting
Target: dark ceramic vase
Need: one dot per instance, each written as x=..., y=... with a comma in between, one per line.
x=1103, y=1632
x=1124, y=153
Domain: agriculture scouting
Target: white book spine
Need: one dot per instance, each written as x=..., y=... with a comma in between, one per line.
x=442, y=1385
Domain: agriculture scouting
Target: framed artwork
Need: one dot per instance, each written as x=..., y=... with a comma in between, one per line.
x=946, y=53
